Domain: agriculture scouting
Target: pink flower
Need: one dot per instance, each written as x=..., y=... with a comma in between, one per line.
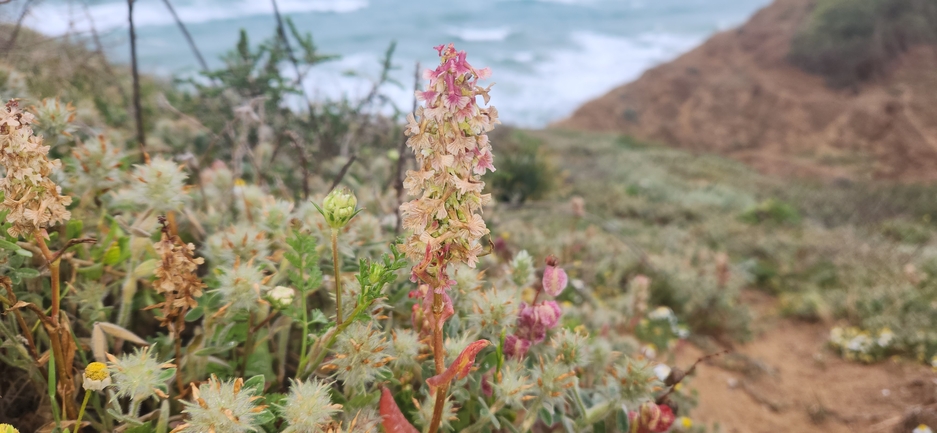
x=534, y=321
x=460, y=367
x=515, y=347
x=554, y=278
x=651, y=418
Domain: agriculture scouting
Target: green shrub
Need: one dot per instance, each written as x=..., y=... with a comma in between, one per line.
x=772, y=211
x=523, y=173
x=851, y=41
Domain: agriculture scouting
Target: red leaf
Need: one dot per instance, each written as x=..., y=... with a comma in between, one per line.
x=391, y=417
x=460, y=367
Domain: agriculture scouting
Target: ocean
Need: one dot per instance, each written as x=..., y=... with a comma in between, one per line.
x=547, y=56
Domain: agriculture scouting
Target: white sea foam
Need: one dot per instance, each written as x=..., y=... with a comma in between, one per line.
x=481, y=35
x=54, y=18
x=570, y=77
x=558, y=83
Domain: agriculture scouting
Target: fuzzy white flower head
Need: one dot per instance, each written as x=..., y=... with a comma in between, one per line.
x=54, y=119
x=493, y=310
x=515, y=384
x=241, y=287
x=221, y=407
x=281, y=296
x=406, y=344
x=95, y=166
x=239, y=242
x=159, y=185
x=522, y=269
x=96, y=377
x=361, y=353
x=572, y=348
x=309, y=407
x=139, y=375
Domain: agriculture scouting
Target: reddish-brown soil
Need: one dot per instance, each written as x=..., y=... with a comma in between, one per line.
x=787, y=380
x=737, y=95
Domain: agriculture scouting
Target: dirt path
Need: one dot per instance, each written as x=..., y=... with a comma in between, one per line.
x=787, y=380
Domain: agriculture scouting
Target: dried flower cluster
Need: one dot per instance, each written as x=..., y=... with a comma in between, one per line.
x=32, y=198
x=176, y=279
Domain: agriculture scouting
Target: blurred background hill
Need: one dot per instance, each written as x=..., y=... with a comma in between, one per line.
x=822, y=88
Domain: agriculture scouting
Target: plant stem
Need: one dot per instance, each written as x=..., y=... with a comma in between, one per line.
x=303, y=355
x=81, y=412
x=481, y=423
x=338, y=278
x=53, y=271
x=248, y=343
x=439, y=356
x=54, y=329
x=578, y=399
x=331, y=336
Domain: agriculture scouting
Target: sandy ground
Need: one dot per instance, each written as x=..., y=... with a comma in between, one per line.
x=787, y=380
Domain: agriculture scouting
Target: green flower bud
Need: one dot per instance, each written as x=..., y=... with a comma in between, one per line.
x=281, y=297
x=338, y=208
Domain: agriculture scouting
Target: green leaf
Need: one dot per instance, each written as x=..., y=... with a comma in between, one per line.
x=599, y=427
x=74, y=228
x=146, y=427
x=545, y=416
x=93, y=272
x=27, y=273
x=24, y=253
x=7, y=245
x=111, y=255
x=194, y=314
x=621, y=418
x=256, y=383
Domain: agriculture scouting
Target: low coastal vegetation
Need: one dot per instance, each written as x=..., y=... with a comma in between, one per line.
x=350, y=266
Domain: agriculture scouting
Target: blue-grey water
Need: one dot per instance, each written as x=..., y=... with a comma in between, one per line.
x=548, y=56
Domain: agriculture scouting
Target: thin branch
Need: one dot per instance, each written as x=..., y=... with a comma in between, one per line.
x=188, y=37
x=402, y=155
x=16, y=30
x=281, y=31
x=138, y=110
x=341, y=174
x=99, y=50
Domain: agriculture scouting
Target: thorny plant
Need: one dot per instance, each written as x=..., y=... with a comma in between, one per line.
x=217, y=283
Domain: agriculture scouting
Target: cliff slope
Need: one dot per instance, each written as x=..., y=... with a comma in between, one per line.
x=738, y=95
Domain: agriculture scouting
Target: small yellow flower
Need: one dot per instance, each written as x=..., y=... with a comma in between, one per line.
x=6, y=428
x=685, y=422
x=96, y=377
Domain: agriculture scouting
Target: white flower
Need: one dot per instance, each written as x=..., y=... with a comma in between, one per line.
x=96, y=377
x=885, y=337
x=922, y=429
x=660, y=313
x=661, y=371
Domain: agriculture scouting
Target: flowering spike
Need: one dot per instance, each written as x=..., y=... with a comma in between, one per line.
x=393, y=420
x=460, y=367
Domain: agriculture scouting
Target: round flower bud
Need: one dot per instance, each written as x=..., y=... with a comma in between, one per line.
x=339, y=208
x=281, y=297
x=96, y=377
